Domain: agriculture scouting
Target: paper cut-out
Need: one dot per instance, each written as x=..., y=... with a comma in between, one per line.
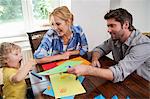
x=49, y=92
x=71, y=86
x=49, y=65
x=49, y=87
x=99, y=97
x=69, y=97
x=63, y=77
x=127, y=97
x=61, y=68
x=115, y=97
x=62, y=90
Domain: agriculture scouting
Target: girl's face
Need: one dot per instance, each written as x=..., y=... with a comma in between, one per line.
x=14, y=58
x=59, y=25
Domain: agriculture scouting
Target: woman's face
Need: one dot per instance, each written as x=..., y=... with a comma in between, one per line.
x=59, y=25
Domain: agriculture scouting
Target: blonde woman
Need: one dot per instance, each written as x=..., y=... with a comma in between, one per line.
x=63, y=39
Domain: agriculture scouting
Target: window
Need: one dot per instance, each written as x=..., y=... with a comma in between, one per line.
x=11, y=17
x=20, y=16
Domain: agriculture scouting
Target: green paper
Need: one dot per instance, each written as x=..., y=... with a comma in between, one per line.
x=61, y=68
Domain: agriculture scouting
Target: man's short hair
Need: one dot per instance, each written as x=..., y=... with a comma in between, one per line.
x=121, y=15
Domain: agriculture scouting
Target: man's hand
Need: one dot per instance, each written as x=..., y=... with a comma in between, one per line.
x=96, y=63
x=95, y=57
x=79, y=70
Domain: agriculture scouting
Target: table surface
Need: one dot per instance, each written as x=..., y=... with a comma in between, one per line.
x=133, y=86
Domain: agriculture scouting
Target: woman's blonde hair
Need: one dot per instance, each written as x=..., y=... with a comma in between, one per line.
x=5, y=49
x=63, y=13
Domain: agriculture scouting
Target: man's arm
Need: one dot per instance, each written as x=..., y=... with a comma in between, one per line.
x=99, y=51
x=136, y=59
x=102, y=73
x=92, y=71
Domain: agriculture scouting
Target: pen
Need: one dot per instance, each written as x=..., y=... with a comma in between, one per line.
x=34, y=74
x=66, y=71
x=76, y=78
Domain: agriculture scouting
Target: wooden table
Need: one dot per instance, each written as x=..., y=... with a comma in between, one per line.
x=133, y=86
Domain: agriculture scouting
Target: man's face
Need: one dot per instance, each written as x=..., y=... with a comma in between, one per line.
x=115, y=29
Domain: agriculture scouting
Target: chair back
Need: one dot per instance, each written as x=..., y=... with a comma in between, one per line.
x=35, y=38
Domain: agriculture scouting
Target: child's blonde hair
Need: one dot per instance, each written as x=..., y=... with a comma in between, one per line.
x=5, y=49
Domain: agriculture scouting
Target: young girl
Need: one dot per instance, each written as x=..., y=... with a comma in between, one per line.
x=13, y=73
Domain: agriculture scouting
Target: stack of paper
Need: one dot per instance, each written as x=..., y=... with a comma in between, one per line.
x=61, y=68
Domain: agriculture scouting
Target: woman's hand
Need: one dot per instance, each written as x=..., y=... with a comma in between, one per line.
x=66, y=55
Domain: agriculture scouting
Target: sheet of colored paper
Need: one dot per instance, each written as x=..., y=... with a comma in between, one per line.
x=85, y=62
x=66, y=85
x=99, y=97
x=49, y=65
x=50, y=92
x=61, y=68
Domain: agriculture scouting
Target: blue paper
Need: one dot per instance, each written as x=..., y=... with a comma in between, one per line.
x=81, y=78
x=99, y=97
x=127, y=97
x=114, y=97
x=69, y=97
x=51, y=92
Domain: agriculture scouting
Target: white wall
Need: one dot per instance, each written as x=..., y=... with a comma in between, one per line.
x=148, y=14
x=89, y=15
x=139, y=9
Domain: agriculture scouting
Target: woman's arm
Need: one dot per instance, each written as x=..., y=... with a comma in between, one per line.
x=83, y=44
x=53, y=58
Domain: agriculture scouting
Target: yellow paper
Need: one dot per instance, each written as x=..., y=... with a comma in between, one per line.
x=66, y=85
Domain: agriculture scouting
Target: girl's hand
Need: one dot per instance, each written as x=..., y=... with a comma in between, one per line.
x=31, y=63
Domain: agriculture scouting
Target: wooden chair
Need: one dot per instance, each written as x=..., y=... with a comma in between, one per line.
x=35, y=38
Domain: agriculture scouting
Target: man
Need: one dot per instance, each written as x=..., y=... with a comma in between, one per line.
x=129, y=48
